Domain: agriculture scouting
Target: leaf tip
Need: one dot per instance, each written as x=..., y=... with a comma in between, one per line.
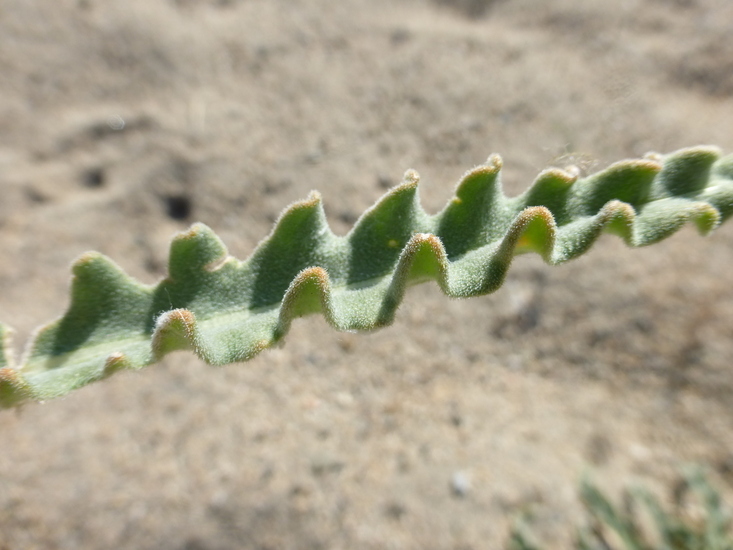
x=533, y=212
x=198, y=248
x=425, y=256
x=174, y=330
x=570, y=173
x=491, y=167
x=411, y=178
x=193, y=231
x=86, y=261
x=494, y=163
x=316, y=274
x=303, y=280
x=292, y=212
x=534, y=229
x=311, y=201
x=115, y=362
x=654, y=156
x=617, y=208
x=13, y=388
x=179, y=315
x=706, y=217
x=315, y=271
x=87, y=258
x=551, y=180
x=10, y=376
x=419, y=239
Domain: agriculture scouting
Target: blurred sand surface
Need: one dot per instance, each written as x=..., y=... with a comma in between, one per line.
x=125, y=121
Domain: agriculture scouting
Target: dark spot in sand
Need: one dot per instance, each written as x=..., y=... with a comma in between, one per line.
x=93, y=178
x=178, y=207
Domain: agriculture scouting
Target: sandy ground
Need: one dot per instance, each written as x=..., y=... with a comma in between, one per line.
x=438, y=431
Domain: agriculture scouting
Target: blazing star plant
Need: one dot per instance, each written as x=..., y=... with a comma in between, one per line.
x=226, y=310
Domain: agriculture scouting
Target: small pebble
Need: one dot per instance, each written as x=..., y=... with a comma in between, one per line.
x=460, y=484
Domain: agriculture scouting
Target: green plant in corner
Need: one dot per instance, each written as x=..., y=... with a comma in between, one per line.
x=226, y=310
x=620, y=528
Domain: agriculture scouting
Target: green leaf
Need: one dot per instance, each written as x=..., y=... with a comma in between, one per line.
x=226, y=310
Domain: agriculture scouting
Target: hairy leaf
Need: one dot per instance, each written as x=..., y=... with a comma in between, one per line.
x=226, y=310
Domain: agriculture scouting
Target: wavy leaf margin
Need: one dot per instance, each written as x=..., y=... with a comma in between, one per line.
x=226, y=310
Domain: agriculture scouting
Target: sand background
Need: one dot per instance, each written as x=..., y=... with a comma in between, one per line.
x=617, y=363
